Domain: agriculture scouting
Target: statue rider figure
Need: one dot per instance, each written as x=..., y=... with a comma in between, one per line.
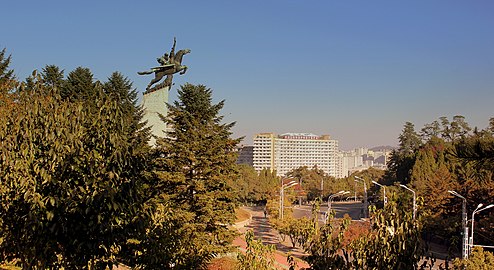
x=168, y=59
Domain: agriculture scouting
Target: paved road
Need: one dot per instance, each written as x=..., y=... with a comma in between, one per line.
x=351, y=208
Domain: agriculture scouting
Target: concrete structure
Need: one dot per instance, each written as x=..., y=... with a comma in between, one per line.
x=290, y=151
x=154, y=104
x=245, y=155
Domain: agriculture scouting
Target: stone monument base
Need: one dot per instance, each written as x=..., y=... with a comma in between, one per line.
x=154, y=103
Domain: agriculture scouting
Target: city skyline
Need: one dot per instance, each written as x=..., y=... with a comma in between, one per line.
x=354, y=70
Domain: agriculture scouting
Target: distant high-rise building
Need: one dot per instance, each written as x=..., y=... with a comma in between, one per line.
x=362, y=158
x=290, y=151
x=246, y=155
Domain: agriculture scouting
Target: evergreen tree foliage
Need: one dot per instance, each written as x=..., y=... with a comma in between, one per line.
x=52, y=76
x=120, y=89
x=451, y=158
x=80, y=86
x=478, y=150
x=491, y=126
x=429, y=131
x=432, y=175
x=459, y=128
x=402, y=159
x=193, y=165
x=454, y=130
x=7, y=78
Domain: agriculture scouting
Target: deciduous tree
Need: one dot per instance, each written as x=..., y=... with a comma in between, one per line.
x=71, y=183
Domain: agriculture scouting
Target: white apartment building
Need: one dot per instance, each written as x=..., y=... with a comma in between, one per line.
x=290, y=151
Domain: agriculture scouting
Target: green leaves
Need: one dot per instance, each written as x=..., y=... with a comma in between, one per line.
x=71, y=182
x=391, y=242
x=257, y=256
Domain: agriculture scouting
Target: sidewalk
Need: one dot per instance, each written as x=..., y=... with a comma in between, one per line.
x=263, y=230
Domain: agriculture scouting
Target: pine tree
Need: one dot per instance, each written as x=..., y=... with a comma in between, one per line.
x=402, y=159
x=120, y=89
x=52, y=76
x=7, y=78
x=80, y=86
x=193, y=164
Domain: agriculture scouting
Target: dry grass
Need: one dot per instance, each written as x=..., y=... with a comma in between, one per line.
x=241, y=215
x=224, y=263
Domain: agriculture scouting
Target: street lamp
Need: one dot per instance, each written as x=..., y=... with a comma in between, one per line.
x=330, y=200
x=331, y=197
x=282, y=194
x=365, y=194
x=385, y=199
x=473, y=220
x=464, y=247
x=414, y=200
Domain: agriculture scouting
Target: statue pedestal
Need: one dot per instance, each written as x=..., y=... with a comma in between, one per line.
x=154, y=104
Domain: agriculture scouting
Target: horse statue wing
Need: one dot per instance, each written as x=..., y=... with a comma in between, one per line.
x=156, y=69
x=144, y=72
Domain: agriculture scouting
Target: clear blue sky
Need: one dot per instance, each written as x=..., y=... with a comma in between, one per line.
x=356, y=70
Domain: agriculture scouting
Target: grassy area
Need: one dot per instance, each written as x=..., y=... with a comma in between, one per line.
x=224, y=263
x=241, y=215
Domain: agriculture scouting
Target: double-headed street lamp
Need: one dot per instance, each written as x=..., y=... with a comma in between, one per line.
x=331, y=197
x=464, y=246
x=473, y=220
x=414, y=200
x=330, y=200
x=360, y=180
x=282, y=194
x=385, y=199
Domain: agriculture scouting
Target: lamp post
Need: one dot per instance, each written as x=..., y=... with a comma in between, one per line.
x=365, y=194
x=331, y=197
x=330, y=200
x=464, y=246
x=282, y=194
x=473, y=220
x=322, y=188
x=385, y=199
x=414, y=200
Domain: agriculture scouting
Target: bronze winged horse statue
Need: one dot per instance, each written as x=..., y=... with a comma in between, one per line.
x=170, y=64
